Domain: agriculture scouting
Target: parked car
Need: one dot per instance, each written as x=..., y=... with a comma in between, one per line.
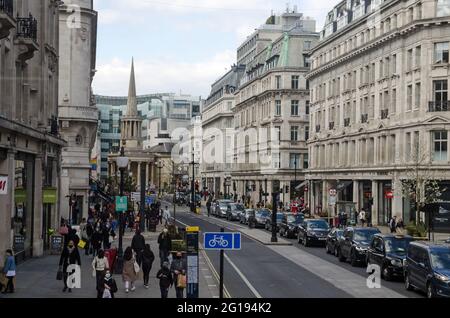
x=234, y=211
x=289, y=224
x=221, y=208
x=388, y=252
x=261, y=216
x=427, y=268
x=245, y=215
x=333, y=239
x=355, y=244
x=268, y=225
x=313, y=231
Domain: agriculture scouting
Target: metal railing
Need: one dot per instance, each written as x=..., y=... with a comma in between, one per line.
x=384, y=113
x=346, y=122
x=439, y=106
x=7, y=6
x=27, y=27
x=364, y=118
x=317, y=128
x=54, y=128
x=331, y=125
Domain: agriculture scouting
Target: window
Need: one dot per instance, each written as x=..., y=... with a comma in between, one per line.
x=381, y=69
x=443, y=8
x=409, y=57
x=394, y=64
x=409, y=97
x=294, y=82
x=294, y=161
x=440, y=145
x=278, y=108
x=418, y=56
x=278, y=130
x=408, y=147
x=307, y=107
x=294, y=108
x=394, y=101
x=307, y=45
x=276, y=160
x=306, y=133
x=294, y=133
x=440, y=92
x=417, y=95
x=278, y=82
x=305, y=161
x=441, y=52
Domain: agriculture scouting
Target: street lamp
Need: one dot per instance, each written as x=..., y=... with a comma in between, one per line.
x=295, y=178
x=122, y=163
x=159, y=165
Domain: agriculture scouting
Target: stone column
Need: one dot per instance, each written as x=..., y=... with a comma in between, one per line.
x=356, y=197
x=7, y=168
x=38, y=243
x=375, y=196
x=397, y=201
x=147, y=178
x=138, y=181
x=325, y=195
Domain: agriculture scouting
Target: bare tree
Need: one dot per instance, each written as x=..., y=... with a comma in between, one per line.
x=421, y=185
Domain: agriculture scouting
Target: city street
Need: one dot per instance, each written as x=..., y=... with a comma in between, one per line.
x=271, y=271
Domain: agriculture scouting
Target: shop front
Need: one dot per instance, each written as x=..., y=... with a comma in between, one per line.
x=385, y=202
x=49, y=199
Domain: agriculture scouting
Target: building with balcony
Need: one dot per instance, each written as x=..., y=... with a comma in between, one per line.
x=379, y=97
x=217, y=122
x=271, y=115
x=30, y=142
x=78, y=115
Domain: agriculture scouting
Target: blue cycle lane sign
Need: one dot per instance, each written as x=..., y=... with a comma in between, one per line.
x=222, y=241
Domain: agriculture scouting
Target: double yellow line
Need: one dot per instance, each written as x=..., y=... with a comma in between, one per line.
x=226, y=294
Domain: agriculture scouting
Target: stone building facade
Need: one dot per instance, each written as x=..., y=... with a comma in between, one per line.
x=30, y=144
x=78, y=115
x=379, y=106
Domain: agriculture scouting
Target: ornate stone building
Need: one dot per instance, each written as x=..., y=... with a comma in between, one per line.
x=78, y=115
x=30, y=144
x=379, y=107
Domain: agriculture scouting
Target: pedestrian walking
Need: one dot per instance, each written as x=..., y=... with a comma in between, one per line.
x=130, y=270
x=100, y=265
x=166, y=216
x=147, y=262
x=362, y=217
x=69, y=256
x=400, y=226
x=178, y=270
x=86, y=233
x=393, y=224
x=138, y=246
x=97, y=238
x=165, y=279
x=9, y=272
x=165, y=246
x=208, y=206
x=109, y=286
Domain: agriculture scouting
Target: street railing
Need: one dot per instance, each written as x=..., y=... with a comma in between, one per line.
x=27, y=27
x=439, y=106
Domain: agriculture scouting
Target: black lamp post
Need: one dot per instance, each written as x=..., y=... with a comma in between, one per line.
x=122, y=163
x=160, y=166
x=295, y=177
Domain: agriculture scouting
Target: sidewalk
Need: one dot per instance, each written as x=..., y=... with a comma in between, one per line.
x=36, y=278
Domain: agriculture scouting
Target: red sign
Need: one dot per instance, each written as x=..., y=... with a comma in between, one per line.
x=389, y=195
x=3, y=185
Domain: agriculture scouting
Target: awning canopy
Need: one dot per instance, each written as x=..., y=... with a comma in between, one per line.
x=342, y=185
x=302, y=185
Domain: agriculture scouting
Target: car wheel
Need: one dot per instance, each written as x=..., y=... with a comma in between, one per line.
x=353, y=261
x=430, y=291
x=408, y=285
x=386, y=274
x=340, y=256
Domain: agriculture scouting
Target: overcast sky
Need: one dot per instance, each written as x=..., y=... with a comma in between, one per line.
x=179, y=45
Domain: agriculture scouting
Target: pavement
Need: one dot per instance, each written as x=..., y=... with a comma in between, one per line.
x=36, y=278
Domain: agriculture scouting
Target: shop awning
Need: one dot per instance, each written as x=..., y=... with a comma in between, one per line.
x=302, y=185
x=342, y=185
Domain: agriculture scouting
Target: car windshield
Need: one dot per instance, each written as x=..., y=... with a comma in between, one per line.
x=320, y=225
x=297, y=219
x=440, y=258
x=223, y=204
x=237, y=207
x=397, y=245
x=262, y=213
x=364, y=236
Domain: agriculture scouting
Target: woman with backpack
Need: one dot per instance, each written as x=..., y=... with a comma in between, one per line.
x=100, y=266
x=147, y=262
x=165, y=279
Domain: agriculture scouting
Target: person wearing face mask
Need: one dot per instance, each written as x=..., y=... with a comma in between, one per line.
x=178, y=270
x=165, y=246
x=165, y=279
x=109, y=286
x=69, y=256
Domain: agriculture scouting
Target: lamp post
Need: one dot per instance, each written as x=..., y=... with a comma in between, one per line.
x=295, y=178
x=122, y=163
x=160, y=165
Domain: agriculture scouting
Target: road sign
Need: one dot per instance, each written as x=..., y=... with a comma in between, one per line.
x=148, y=200
x=222, y=241
x=121, y=204
x=3, y=184
x=333, y=192
x=192, y=262
x=135, y=196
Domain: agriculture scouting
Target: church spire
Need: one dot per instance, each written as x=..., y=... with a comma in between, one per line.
x=132, y=100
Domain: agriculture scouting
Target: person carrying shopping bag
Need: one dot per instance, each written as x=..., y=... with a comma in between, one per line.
x=109, y=286
x=100, y=265
x=178, y=270
x=130, y=270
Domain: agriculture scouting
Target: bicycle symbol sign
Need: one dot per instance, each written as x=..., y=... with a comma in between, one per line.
x=222, y=241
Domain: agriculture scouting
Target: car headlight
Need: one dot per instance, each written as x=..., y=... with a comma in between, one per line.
x=397, y=263
x=442, y=278
x=361, y=249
